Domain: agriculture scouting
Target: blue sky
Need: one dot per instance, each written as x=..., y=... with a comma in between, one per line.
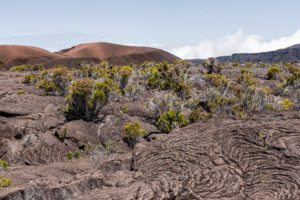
x=188, y=28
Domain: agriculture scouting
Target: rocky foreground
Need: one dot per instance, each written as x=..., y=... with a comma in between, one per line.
x=225, y=157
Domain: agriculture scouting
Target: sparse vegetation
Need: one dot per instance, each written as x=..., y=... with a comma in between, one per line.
x=174, y=87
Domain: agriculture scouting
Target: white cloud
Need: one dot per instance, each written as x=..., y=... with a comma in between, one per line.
x=239, y=42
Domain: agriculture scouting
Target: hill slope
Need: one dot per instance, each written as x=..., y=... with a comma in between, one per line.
x=17, y=55
x=118, y=54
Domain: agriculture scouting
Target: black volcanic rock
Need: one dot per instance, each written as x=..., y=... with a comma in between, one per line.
x=288, y=54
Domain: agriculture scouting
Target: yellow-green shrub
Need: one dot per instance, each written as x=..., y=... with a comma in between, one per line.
x=133, y=132
x=55, y=80
x=199, y=114
x=286, y=104
x=273, y=73
x=5, y=182
x=4, y=164
x=246, y=79
x=171, y=120
x=87, y=97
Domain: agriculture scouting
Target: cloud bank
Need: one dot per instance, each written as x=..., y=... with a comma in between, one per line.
x=239, y=42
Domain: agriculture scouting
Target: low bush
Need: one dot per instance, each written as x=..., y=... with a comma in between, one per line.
x=5, y=182
x=246, y=79
x=212, y=66
x=171, y=120
x=236, y=64
x=286, y=104
x=69, y=155
x=55, y=80
x=199, y=114
x=31, y=78
x=133, y=133
x=76, y=154
x=21, y=92
x=3, y=164
x=87, y=97
x=125, y=72
x=63, y=135
x=21, y=68
x=273, y=73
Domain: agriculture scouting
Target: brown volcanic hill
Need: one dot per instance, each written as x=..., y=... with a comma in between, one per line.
x=118, y=54
x=18, y=55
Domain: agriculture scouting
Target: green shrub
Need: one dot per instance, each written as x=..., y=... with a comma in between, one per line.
x=286, y=104
x=55, y=80
x=5, y=182
x=63, y=135
x=69, y=155
x=87, y=97
x=21, y=68
x=133, y=132
x=246, y=78
x=217, y=80
x=31, y=78
x=38, y=67
x=166, y=76
x=273, y=73
x=248, y=64
x=199, y=114
x=4, y=164
x=290, y=81
x=171, y=120
x=124, y=109
x=21, y=92
x=219, y=104
x=76, y=154
x=236, y=64
x=125, y=72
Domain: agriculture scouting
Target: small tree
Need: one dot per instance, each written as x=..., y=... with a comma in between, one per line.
x=133, y=133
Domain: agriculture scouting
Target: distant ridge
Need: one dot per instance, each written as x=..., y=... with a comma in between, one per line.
x=288, y=54
x=99, y=51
